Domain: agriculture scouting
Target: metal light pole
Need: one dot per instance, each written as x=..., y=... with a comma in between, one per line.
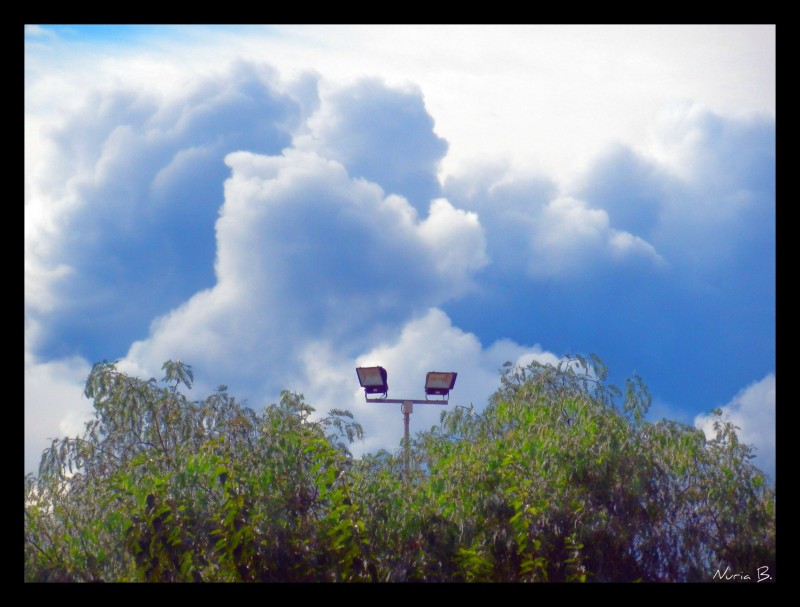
x=408, y=409
x=373, y=380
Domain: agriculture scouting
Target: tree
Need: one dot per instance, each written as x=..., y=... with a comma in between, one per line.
x=198, y=491
x=559, y=478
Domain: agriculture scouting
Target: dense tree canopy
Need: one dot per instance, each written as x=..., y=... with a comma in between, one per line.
x=558, y=478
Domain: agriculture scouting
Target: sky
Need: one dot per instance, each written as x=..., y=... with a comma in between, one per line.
x=278, y=205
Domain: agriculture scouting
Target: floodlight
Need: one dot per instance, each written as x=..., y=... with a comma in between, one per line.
x=373, y=380
x=438, y=383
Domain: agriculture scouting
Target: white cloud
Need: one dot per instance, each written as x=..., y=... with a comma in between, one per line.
x=753, y=411
x=720, y=191
x=455, y=238
x=569, y=237
x=122, y=195
x=704, y=188
x=40, y=282
x=691, y=141
x=624, y=244
x=533, y=232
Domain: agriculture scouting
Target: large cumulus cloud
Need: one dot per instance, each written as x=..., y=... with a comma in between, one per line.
x=195, y=224
x=123, y=197
x=276, y=236
x=305, y=251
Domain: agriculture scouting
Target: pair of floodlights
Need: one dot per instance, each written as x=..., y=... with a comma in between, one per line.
x=374, y=381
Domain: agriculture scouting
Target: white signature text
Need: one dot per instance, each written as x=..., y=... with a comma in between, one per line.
x=762, y=574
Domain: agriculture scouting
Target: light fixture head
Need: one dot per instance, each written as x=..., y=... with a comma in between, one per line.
x=439, y=383
x=373, y=380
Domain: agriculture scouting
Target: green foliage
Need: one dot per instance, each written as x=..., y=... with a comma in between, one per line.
x=558, y=479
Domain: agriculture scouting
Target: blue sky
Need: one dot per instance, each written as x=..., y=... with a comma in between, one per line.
x=277, y=205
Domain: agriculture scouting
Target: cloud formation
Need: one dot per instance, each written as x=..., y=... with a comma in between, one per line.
x=123, y=198
x=703, y=194
x=307, y=252
x=535, y=232
x=569, y=238
x=643, y=263
x=277, y=233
